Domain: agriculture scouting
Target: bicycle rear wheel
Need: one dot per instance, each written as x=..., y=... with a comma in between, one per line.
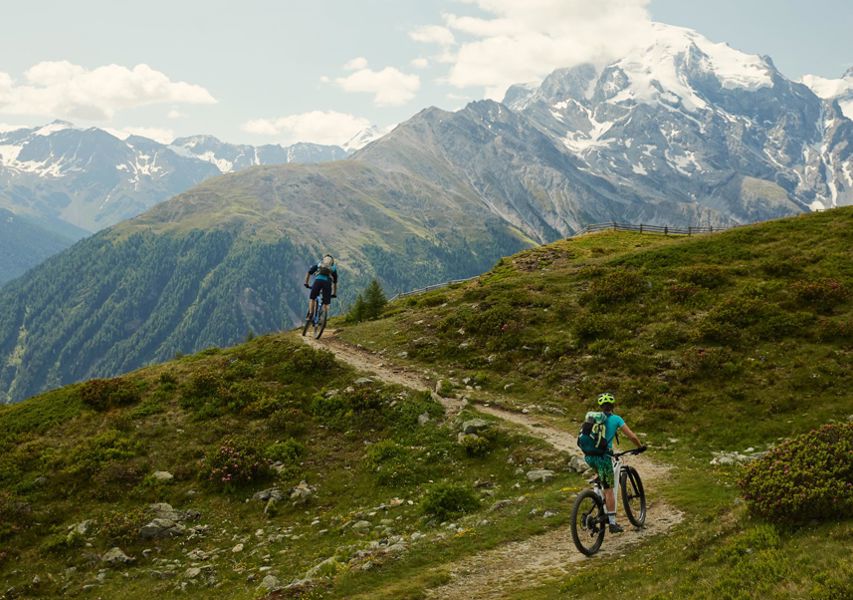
x=320, y=326
x=588, y=522
x=309, y=319
x=633, y=496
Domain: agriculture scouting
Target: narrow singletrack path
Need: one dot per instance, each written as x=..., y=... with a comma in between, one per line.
x=514, y=566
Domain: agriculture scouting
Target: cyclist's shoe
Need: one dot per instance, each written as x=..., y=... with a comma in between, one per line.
x=616, y=528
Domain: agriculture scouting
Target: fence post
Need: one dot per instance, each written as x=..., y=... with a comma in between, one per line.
x=689, y=230
x=641, y=228
x=666, y=230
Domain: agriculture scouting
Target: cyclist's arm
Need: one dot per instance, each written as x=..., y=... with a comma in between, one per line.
x=335, y=282
x=631, y=435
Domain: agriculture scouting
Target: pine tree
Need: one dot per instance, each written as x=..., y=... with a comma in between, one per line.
x=374, y=300
x=357, y=312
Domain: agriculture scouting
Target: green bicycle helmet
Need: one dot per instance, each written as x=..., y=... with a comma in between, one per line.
x=606, y=398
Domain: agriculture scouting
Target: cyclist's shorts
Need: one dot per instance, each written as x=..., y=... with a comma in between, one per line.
x=324, y=285
x=603, y=465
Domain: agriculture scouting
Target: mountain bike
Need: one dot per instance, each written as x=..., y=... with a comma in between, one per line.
x=317, y=320
x=589, y=514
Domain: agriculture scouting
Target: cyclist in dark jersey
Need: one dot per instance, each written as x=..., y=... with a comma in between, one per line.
x=325, y=275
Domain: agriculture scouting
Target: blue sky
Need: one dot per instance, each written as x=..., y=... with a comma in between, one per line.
x=264, y=71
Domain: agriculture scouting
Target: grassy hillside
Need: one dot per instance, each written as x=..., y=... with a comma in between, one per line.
x=228, y=258
x=384, y=479
x=721, y=343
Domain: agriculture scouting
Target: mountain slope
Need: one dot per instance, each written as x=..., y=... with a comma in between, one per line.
x=229, y=258
x=23, y=244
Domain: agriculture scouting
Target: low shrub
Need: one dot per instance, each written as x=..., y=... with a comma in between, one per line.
x=393, y=464
x=829, y=330
x=287, y=421
x=614, y=287
x=233, y=464
x=287, y=452
x=589, y=327
x=476, y=445
x=822, y=295
x=706, y=276
x=682, y=293
x=807, y=477
x=446, y=501
x=104, y=394
x=122, y=526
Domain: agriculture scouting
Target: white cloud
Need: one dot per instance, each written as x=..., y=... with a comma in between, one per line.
x=356, y=64
x=524, y=41
x=433, y=34
x=164, y=136
x=63, y=89
x=319, y=127
x=175, y=114
x=390, y=86
x=420, y=63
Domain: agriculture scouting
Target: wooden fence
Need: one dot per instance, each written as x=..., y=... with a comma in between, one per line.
x=664, y=229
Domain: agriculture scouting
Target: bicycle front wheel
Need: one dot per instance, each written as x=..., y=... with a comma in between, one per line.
x=321, y=324
x=633, y=496
x=588, y=522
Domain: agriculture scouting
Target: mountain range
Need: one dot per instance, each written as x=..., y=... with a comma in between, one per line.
x=681, y=132
x=74, y=182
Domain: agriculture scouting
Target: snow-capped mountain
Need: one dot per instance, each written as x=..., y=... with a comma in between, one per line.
x=233, y=157
x=840, y=90
x=91, y=179
x=690, y=120
x=364, y=137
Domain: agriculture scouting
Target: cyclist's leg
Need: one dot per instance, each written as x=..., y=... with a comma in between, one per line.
x=604, y=467
x=315, y=291
x=327, y=295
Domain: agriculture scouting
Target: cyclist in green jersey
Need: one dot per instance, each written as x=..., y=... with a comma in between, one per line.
x=603, y=465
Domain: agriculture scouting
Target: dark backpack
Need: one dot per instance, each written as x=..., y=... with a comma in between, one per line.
x=592, y=439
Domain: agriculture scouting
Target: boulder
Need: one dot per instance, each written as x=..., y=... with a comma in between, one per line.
x=271, y=494
x=162, y=510
x=115, y=556
x=161, y=528
x=302, y=493
x=474, y=425
x=162, y=476
x=271, y=583
x=543, y=475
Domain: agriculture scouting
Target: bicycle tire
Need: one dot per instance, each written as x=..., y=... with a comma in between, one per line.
x=633, y=496
x=321, y=325
x=589, y=520
x=308, y=321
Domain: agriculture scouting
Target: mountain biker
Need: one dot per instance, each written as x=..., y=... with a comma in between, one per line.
x=603, y=465
x=325, y=275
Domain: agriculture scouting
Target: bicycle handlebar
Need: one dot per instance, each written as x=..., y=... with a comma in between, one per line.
x=639, y=450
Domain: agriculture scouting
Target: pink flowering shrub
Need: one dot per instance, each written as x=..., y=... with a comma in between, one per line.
x=233, y=464
x=807, y=477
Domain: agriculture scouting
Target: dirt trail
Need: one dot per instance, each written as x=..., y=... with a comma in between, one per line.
x=514, y=566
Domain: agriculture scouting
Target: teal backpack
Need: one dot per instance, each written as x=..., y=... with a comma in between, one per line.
x=592, y=438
